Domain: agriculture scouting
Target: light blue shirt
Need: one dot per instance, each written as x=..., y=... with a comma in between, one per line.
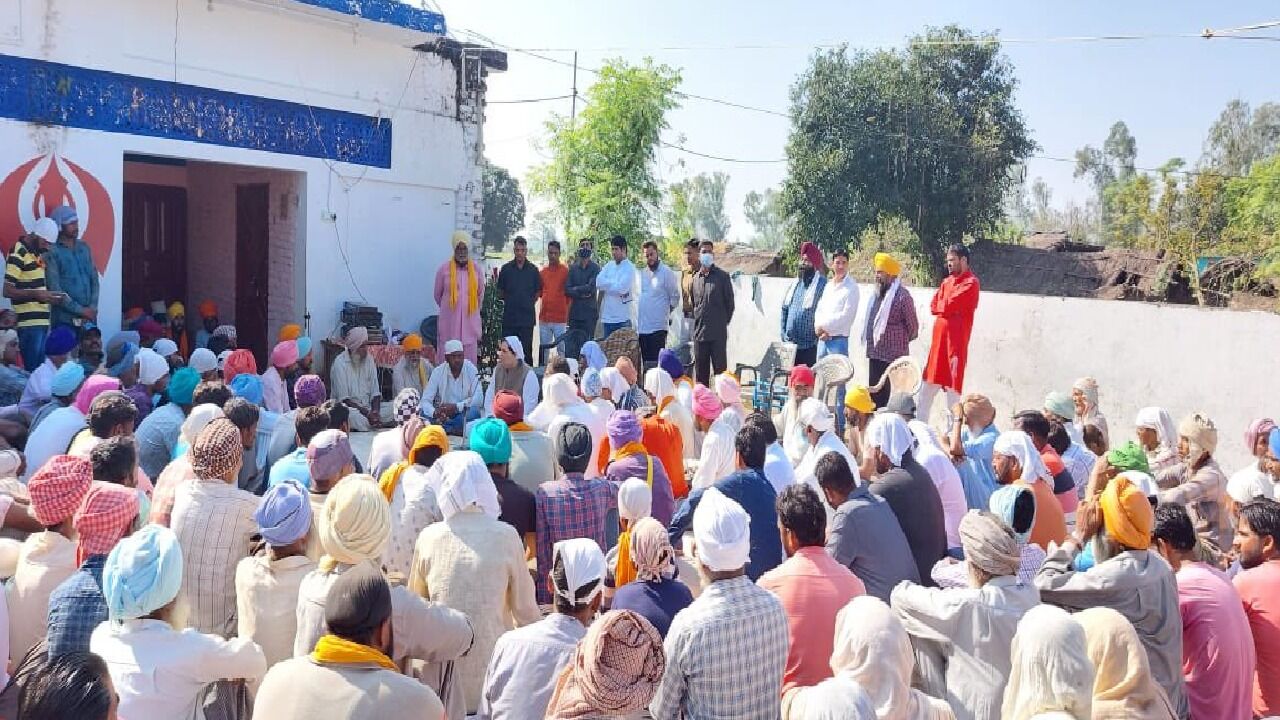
x=659, y=295
x=524, y=668
x=291, y=467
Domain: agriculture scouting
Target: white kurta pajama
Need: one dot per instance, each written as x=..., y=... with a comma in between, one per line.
x=718, y=454
x=356, y=381
x=444, y=388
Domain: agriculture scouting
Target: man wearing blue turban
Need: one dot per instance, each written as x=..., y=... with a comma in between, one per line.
x=267, y=582
x=157, y=670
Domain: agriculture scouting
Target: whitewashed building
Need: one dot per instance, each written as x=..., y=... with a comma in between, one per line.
x=278, y=157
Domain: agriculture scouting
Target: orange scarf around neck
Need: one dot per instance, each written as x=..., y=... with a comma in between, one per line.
x=624, y=572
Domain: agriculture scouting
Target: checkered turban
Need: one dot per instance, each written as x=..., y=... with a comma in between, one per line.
x=105, y=515
x=58, y=487
x=217, y=450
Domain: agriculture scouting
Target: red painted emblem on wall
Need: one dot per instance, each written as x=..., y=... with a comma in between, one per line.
x=43, y=183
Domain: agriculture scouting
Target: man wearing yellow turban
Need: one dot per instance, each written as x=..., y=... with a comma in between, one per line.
x=891, y=323
x=459, y=293
x=1126, y=576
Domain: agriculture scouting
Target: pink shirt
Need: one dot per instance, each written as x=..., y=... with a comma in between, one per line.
x=812, y=587
x=1217, y=646
x=1259, y=589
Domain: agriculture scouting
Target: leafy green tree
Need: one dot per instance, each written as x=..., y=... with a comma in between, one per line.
x=706, y=203
x=1241, y=137
x=503, y=212
x=601, y=176
x=928, y=133
x=1253, y=215
x=764, y=212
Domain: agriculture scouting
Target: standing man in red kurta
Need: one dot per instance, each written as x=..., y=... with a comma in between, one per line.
x=953, y=306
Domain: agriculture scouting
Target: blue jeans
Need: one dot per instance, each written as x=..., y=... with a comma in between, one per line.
x=836, y=346
x=31, y=343
x=610, y=328
x=456, y=424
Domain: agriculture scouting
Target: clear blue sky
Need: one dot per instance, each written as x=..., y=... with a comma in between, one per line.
x=1167, y=90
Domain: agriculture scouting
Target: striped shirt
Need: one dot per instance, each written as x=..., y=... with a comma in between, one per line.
x=25, y=271
x=725, y=655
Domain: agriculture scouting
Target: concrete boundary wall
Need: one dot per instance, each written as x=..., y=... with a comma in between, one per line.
x=1220, y=362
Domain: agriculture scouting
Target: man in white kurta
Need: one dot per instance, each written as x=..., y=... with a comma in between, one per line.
x=453, y=395
x=790, y=431
x=527, y=661
x=354, y=381
x=818, y=425
x=962, y=636
x=718, y=458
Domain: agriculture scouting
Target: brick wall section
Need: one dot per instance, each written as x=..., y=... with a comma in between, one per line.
x=211, y=249
x=469, y=200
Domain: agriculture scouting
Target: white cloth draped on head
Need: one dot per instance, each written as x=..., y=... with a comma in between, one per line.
x=659, y=385
x=516, y=346
x=814, y=413
x=584, y=563
x=1017, y=445
x=635, y=499
x=1051, y=669
x=831, y=699
x=1159, y=419
x=889, y=432
x=199, y=417
x=613, y=381
x=558, y=392
x=722, y=530
x=873, y=650
x=466, y=483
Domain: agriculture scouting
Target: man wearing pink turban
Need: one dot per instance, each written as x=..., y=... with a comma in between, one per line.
x=284, y=364
x=717, y=458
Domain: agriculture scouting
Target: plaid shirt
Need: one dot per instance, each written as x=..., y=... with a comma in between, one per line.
x=899, y=331
x=725, y=655
x=572, y=507
x=797, y=320
x=76, y=608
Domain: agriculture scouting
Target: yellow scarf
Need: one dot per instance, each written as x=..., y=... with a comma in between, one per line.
x=624, y=572
x=391, y=478
x=473, y=300
x=663, y=405
x=333, y=649
x=422, y=370
x=631, y=448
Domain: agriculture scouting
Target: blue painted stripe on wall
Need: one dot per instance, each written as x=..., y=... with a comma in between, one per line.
x=391, y=12
x=54, y=94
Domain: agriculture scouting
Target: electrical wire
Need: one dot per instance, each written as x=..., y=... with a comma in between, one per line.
x=528, y=100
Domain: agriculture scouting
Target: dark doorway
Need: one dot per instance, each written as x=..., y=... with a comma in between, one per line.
x=155, y=244
x=252, y=218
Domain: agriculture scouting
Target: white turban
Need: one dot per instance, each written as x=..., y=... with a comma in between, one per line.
x=151, y=366
x=889, y=432
x=1158, y=419
x=612, y=380
x=466, y=484
x=814, y=414
x=452, y=346
x=1050, y=667
x=584, y=564
x=356, y=336
x=558, y=392
x=203, y=361
x=197, y=419
x=1144, y=482
x=516, y=346
x=1017, y=445
x=659, y=384
x=635, y=499
x=722, y=530
x=164, y=347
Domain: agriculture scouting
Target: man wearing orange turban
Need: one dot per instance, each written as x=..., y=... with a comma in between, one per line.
x=459, y=293
x=412, y=370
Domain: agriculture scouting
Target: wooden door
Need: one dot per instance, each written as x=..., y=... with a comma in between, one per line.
x=154, y=245
x=252, y=235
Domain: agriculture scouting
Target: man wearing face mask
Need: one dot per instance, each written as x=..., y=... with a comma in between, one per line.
x=580, y=288
x=712, y=311
x=800, y=303
x=659, y=295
